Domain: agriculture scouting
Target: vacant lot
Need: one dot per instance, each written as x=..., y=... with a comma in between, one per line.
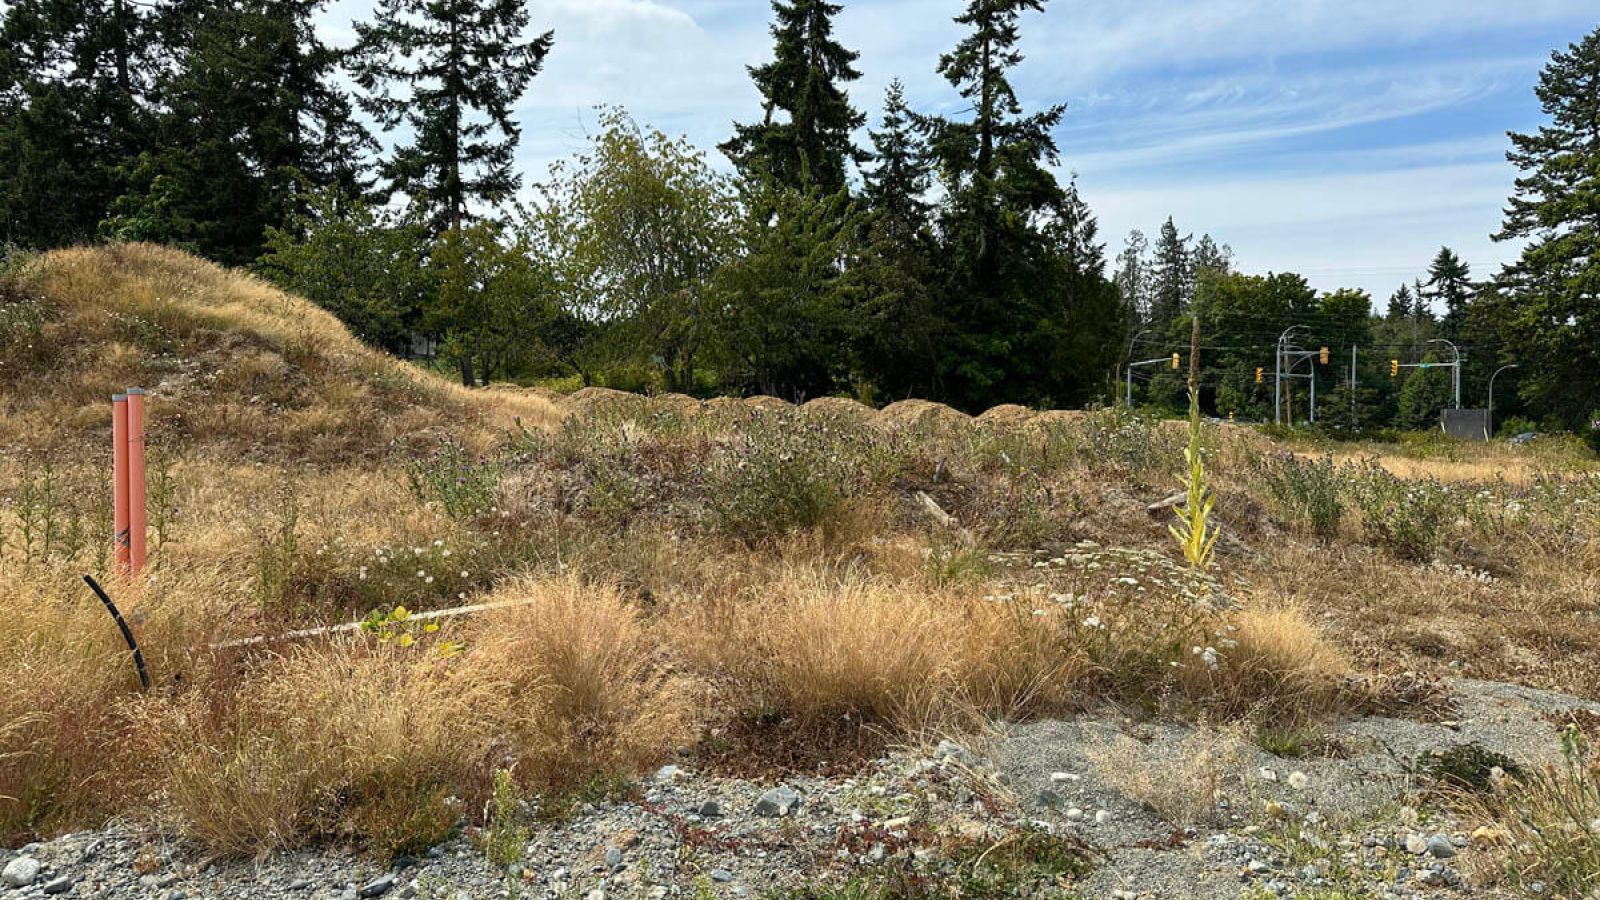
x=747, y=586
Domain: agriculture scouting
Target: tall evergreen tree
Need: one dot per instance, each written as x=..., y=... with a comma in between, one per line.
x=1134, y=276
x=803, y=140
x=1173, y=278
x=1209, y=256
x=1553, y=288
x=1004, y=281
x=255, y=120
x=75, y=94
x=897, y=323
x=1401, y=304
x=449, y=72
x=1450, y=284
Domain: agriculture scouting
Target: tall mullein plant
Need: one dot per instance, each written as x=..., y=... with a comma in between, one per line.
x=1193, y=527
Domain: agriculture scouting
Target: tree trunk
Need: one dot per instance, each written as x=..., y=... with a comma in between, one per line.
x=467, y=377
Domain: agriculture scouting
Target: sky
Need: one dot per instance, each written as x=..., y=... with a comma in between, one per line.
x=1346, y=140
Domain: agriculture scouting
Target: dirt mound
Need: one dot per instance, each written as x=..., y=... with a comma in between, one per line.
x=232, y=364
x=1057, y=418
x=1008, y=415
x=922, y=415
x=681, y=404
x=840, y=408
x=591, y=401
x=767, y=403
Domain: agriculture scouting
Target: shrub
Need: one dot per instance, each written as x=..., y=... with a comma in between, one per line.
x=1307, y=490
x=1406, y=515
x=782, y=473
x=460, y=484
x=1273, y=667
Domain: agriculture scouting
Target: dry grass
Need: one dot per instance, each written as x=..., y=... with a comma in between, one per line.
x=690, y=574
x=1182, y=781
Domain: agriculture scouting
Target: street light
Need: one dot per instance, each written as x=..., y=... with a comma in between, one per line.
x=1455, y=368
x=1488, y=428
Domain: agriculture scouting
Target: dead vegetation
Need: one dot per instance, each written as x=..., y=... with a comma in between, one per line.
x=750, y=584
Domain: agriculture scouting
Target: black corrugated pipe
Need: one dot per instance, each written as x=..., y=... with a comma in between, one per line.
x=127, y=633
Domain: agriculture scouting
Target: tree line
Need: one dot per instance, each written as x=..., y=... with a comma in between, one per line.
x=915, y=254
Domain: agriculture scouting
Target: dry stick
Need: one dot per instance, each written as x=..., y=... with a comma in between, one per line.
x=356, y=626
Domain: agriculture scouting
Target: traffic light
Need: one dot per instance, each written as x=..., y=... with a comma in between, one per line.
x=1261, y=374
x=1175, y=362
x=1394, y=368
x=1324, y=355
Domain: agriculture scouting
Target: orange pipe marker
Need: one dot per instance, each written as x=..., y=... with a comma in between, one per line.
x=119, y=480
x=137, y=512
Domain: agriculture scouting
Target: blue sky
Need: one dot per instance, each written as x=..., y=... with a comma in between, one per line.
x=1343, y=140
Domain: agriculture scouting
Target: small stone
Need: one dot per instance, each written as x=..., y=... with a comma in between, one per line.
x=57, y=886
x=710, y=809
x=613, y=858
x=377, y=887
x=721, y=875
x=1416, y=844
x=596, y=894
x=1074, y=814
x=953, y=751
x=1049, y=798
x=1063, y=777
x=1439, y=846
x=299, y=884
x=1102, y=816
x=1257, y=867
x=1267, y=774
x=670, y=773
x=779, y=802
x=20, y=872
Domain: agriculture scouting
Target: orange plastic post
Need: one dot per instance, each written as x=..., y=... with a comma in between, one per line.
x=136, y=498
x=119, y=479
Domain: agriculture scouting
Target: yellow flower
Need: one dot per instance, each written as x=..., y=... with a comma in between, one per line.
x=431, y=627
x=407, y=640
x=400, y=614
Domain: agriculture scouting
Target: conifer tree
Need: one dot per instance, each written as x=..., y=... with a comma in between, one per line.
x=254, y=122
x=1173, y=284
x=75, y=83
x=449, y=72
x=1552, y=291
x=1400, y=304
x=896, y=321
x=803, y=140
x=1450, y=283
x=1134, y=276
x=1209, y=256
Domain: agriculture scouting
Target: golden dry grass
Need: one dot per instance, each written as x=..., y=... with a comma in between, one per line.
x=645, y=621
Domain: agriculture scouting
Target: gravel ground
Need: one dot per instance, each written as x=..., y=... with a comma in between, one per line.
x=1282, y=827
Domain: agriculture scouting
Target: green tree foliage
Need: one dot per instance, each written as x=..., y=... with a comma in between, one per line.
x=1450, y=284
x=253, y=117
x=1172, y=279
x=1425, y=393
x=343, y=255
x=1135, y=276
x=1552, y=292
x=1401, y=303
x=803, y=140
x=635, y=229
x=75, y=97
x=1005, y=223
x=448, y=73
x=897, y=321
x=786, y=299
x=492, y=302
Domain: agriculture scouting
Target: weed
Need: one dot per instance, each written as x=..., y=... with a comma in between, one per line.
x=275, y=555
x=1193, y=530
x=1308, y=490
x=1553, y=816
x=462, y=485
x=1407, y=516
x=504, y=835
x=1468, y=767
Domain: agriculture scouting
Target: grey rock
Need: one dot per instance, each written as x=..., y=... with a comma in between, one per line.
x=779, y=802
x=1416, y=844
x=58, y=885
x=721, y=875
x=377, y=887
x=710, y=809
x=1439, y=846
x=953, y=751
x=299, y=884
x=20, y=872
x=613, y=858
